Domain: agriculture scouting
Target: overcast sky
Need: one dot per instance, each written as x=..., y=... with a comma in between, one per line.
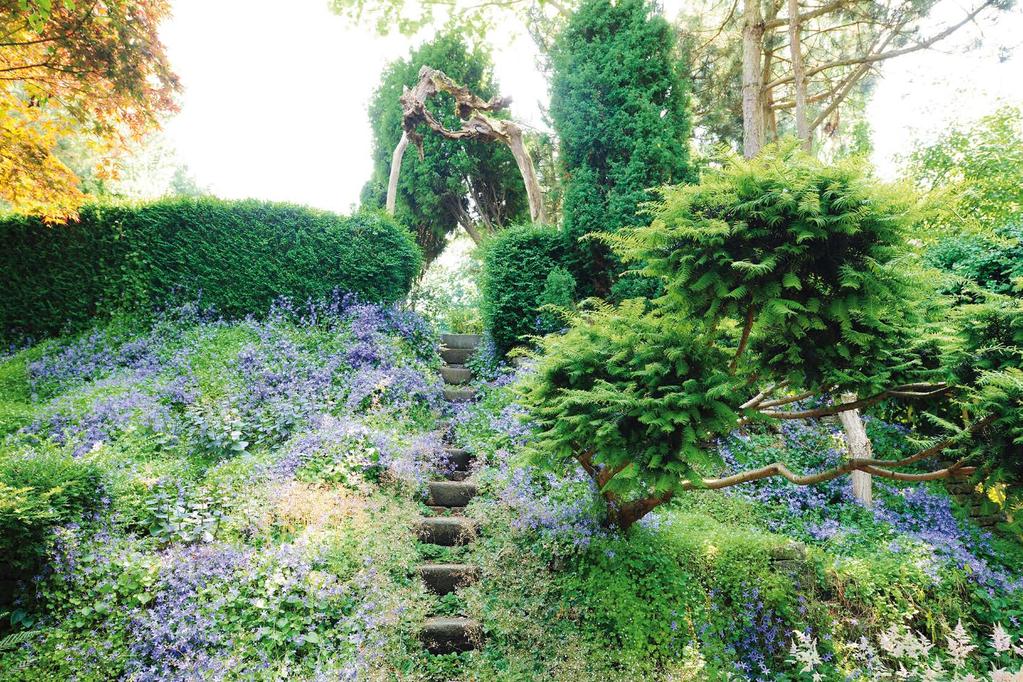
x=276, y=94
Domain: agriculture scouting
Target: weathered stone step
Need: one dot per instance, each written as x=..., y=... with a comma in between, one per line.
x=456, y=356
x=458, y=458
x=456, y=475
x=459, y=394
x=455, y=374
x=447, y=531
x=450, y=493
x=470, y=341
x=449, y=635
x=444, y=578
x=447, y=511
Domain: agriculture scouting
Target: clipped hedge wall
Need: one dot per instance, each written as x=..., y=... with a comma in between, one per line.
x=241, y=255
x=516, y=263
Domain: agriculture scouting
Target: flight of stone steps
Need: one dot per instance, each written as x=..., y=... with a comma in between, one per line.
x=447, y=499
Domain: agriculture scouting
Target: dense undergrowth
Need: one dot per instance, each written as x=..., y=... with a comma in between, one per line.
x=204, y=499
x=201, y=499
x=719, y=584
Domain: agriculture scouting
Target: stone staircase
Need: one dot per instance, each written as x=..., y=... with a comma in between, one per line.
x=446, y=526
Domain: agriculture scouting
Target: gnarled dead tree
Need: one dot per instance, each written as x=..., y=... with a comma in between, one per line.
x=476, y=125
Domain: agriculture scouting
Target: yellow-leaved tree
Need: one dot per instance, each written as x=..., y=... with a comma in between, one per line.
x=89, y=70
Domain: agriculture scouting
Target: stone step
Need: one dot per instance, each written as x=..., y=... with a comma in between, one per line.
x=470, y=341
x=447, y=511
x=450, y=635
x=456, y=356
x=446, y=531
x=456, y=475
x=450, y=493
x=455, y=374
x=459, y=394
x=444, y=578
x=458, y=458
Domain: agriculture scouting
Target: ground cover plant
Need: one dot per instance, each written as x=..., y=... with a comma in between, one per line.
x=767, y=581
x=195, y=497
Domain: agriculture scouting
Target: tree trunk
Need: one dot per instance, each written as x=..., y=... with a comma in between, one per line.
x=798, y=76
x=858, y=443
x=525, y=163
x=752, y=79
x=392, y=181
x=472, y=231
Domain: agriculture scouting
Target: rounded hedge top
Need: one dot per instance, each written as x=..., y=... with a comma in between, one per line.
x=239, y=256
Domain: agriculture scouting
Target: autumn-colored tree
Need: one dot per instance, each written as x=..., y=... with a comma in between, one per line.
x=84, y=69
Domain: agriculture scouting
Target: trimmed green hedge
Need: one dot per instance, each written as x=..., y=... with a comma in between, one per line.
x=516, y=263
x=241, y=255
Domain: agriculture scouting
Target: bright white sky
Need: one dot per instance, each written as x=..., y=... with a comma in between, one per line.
x=276, y=94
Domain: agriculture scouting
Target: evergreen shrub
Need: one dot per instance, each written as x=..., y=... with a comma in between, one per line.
x=516, y=265
x=238, y=255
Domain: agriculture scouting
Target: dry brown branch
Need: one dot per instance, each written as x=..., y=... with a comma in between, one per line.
x=476, y=125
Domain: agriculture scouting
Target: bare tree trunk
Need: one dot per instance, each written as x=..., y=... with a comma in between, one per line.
x=525, y=163
x=752, y=79
x=392, y=181
x=799, y=77
x=859, y=448
x=472, y=231
x=476, y=125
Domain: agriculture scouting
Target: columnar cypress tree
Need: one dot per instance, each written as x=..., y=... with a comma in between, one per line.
x=456, y=181
x=620, y=105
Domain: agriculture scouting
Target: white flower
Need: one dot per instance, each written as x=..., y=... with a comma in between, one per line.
x=959, y=645
x=1000, y=639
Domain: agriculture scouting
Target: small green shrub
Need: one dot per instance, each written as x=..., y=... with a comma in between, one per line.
x=516, y=265
x=239, y=256
x=558, y=295
x=37, y=493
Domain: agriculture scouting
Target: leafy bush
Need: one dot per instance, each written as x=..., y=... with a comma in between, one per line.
x=516, y=264
x=36, y=494
x=240, y=255
x=993, y=263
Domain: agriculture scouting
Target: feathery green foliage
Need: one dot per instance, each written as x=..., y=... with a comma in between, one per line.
x=239, y=255
x=454, y=180
x=619, y=103
x=779, y=269
x=634, y=389
x=814, y=255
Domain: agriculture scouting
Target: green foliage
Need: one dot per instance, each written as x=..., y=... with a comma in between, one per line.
x=620, y=106
x=516, y=264
x=979, y=172
x=557, y=298
x=992, y=262
x=813, y=255
x=635, y=595
x=778, y=269
x=454, y=180
x=239, y=255
x=36, y=494
x=635, y=390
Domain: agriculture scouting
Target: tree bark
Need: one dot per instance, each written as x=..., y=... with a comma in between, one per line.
x=525, y=163
x=799, y=78
x=859, y=448
x=752, y=79
x=392, y=181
